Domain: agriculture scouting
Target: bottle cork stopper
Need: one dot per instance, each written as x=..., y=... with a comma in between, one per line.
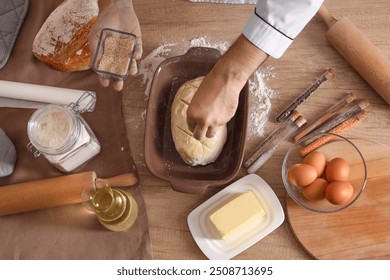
x=300, y=121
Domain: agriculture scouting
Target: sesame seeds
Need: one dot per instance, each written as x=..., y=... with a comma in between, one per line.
x=116, y=55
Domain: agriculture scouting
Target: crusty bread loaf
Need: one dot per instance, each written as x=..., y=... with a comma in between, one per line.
x=191, y=150
x=62, y=41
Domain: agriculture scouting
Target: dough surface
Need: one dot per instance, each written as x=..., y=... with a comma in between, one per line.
x=191, y=150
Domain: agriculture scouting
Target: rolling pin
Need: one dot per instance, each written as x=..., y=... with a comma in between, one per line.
x=359, y=52
x=52, y=192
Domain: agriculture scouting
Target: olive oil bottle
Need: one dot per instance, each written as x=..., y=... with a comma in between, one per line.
x=114, y=208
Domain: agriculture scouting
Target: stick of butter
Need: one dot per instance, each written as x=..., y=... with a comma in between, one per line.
x=237, y=214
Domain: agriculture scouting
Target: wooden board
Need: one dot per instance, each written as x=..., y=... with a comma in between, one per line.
x=179, y=22
x=358, y=232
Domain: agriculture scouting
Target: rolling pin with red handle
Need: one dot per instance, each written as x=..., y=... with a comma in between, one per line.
x=359, y=52
x=52, y=192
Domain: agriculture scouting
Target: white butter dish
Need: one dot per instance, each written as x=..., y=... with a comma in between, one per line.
x=205, y=235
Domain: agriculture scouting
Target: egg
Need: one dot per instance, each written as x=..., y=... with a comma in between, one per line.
x=316, y=190
x=339, y=192
x=316, y=159
x=301, y=174
x=337, y=170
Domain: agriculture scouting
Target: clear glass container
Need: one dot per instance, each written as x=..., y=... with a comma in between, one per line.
x=62, y=136
x=115, y=209
x=114, y=53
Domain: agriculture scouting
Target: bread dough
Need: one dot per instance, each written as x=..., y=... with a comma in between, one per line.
x=193, y=151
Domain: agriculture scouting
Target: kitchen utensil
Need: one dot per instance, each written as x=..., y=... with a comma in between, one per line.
x=52, y=192
x=359, y=51
x=362, y=230
x=47, y=94
x=161, y=156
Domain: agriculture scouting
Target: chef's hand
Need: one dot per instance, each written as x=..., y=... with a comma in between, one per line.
x=216, y=100
x=119, y=15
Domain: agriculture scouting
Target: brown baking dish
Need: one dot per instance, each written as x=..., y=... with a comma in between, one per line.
x=161, y=157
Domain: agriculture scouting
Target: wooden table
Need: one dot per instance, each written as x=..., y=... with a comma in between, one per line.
x=176, y=21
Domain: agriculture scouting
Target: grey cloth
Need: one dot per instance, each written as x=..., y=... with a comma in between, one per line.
x=7, y=155
x=12, y=13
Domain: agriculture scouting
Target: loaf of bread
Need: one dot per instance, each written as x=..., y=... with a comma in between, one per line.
x=62, y=41
x=191, y=150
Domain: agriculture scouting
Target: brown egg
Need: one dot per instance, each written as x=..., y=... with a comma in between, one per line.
x=337, y=170
x=339, y=192
x=316, y=190
x=316, y=159
x=301, y=174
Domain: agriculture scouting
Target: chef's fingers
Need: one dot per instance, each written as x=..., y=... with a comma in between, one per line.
x=118, y=84
x=211, y=132
x=137, y=55
x=200, y=132
x=191, y=125
x=133, y=68
x=104, y=81
x=138, y=48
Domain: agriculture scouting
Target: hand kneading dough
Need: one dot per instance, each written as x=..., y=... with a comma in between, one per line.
x=193, y=151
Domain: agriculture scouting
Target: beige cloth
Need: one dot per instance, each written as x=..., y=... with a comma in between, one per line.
x=67, y=232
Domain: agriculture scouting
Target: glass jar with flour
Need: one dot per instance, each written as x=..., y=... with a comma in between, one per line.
x=62, y=136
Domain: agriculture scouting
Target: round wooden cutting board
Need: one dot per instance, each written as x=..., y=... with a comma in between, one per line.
x=361, y=231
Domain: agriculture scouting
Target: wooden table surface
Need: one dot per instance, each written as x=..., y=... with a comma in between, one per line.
x=179, y=21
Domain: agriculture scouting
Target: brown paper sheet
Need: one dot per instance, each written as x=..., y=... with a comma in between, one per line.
x=66, y=232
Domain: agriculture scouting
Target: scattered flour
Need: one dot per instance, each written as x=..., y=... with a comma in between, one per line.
x=149, y=64
x=261, y=93
x=143, y=115
x=258, y=114
x=203, y=42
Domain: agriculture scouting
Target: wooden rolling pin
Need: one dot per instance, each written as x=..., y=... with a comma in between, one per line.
x=52, y=192
x=359, y=52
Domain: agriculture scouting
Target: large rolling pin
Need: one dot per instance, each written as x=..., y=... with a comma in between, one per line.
x=359, y=52
x=52, y=192
x=39, y=94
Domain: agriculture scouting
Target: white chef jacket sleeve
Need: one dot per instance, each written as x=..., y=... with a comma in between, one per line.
x=275, y=23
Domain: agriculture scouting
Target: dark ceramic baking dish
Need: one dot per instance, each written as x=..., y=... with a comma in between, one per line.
x=161, y=157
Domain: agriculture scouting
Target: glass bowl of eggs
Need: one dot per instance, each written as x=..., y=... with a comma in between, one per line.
x=324, y=172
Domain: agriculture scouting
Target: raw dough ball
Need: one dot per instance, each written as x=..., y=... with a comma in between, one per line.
x=193, y=151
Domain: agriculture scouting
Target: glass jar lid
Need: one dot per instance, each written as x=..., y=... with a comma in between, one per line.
x=53, y=129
